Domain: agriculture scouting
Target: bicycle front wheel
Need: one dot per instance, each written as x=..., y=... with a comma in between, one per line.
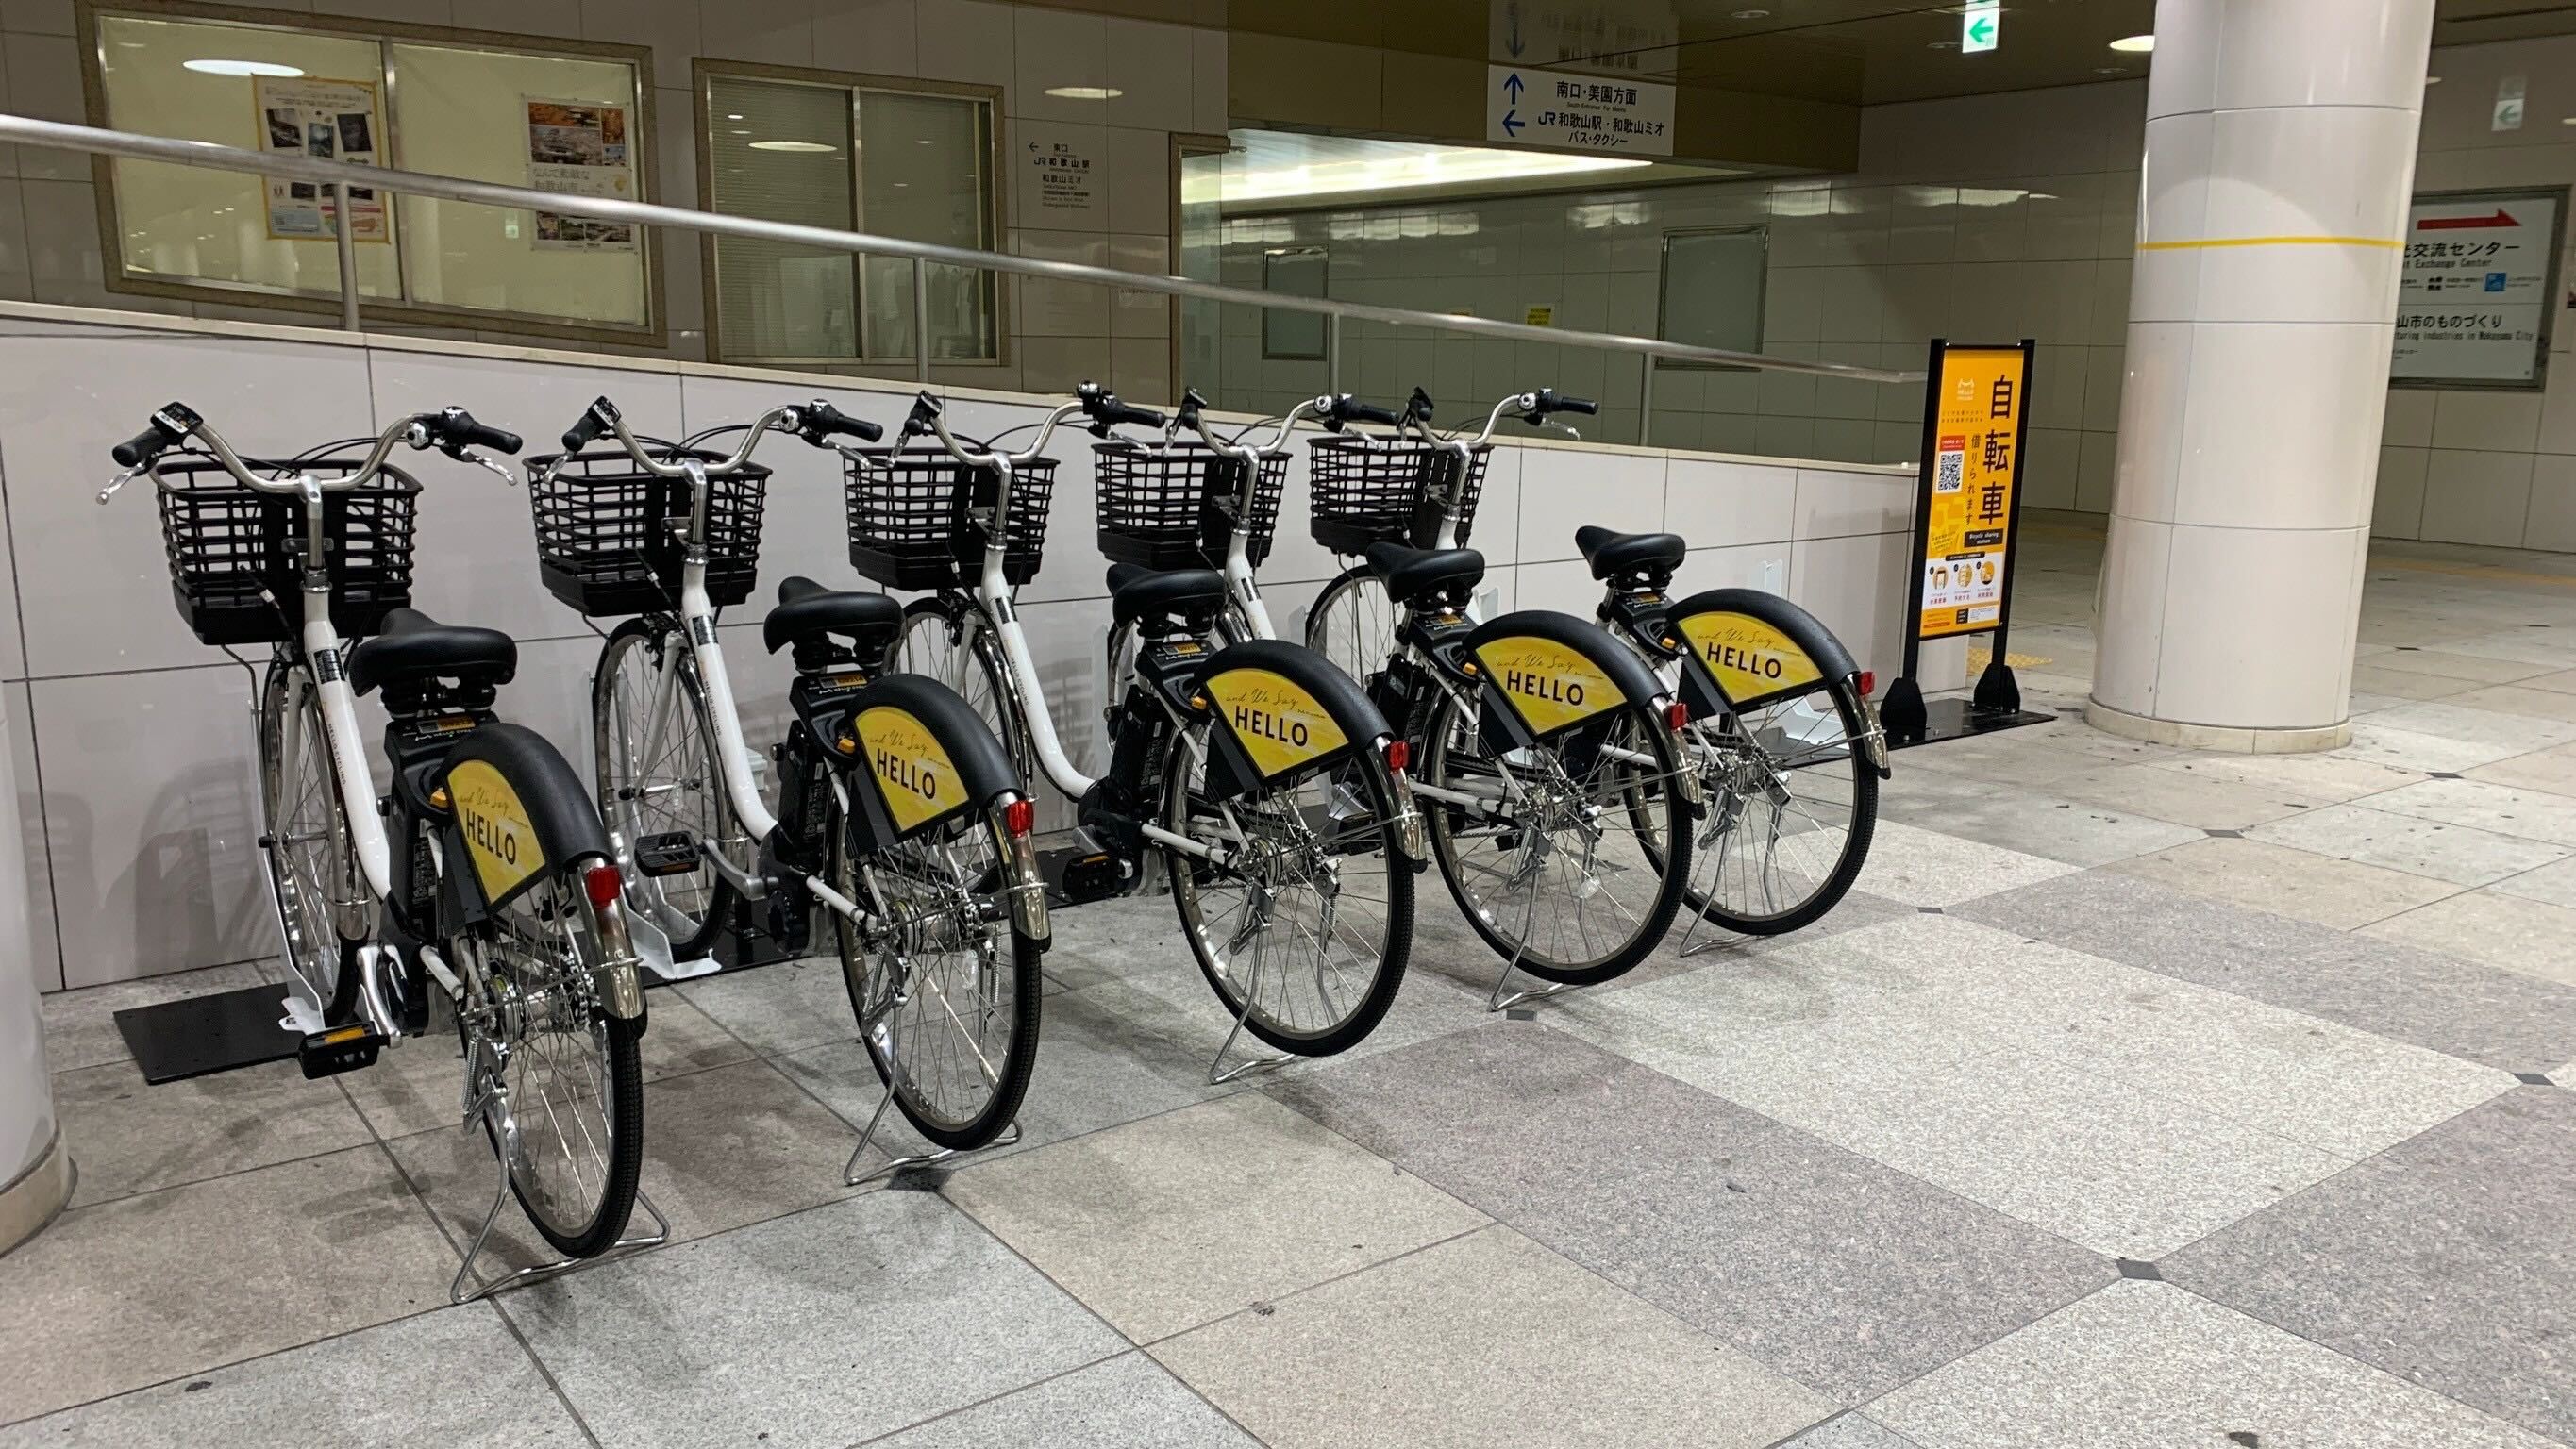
x=657, y=774
x=1545, y=856
x=1353, y=625
x=944, y=984
x=560, y=1079
x=950, y=641
x=321, y=904
x=1792, y=805
x=1305, y=931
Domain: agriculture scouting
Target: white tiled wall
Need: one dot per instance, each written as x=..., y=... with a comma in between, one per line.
x=132, y=741
x=1172, y=79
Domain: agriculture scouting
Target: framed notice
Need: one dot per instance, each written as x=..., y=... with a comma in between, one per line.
x=581, y=148
x=1971, y=488
x=2474, y=296
x=333, y=120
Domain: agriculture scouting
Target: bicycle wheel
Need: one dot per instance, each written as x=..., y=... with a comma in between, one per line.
x=1305, y=934
x=657, y=774
x=1557, y=878
x=1792, y=805
x=320, y=901
x=570, y=1122
x=950, y=641
x=1353, y=625
x=946, y=989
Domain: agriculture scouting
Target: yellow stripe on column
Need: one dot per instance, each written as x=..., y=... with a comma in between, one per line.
x=2272, y=241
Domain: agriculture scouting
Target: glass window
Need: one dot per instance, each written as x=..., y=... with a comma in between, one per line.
x=555, y=122
x=836, y=154
x=1293, y=336
x=1712, y=288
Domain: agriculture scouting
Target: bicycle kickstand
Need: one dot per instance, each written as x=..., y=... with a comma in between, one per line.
x=627, y=1244
x=852, y=1177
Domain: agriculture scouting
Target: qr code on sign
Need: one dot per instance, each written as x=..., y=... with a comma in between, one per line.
x=1949, y=472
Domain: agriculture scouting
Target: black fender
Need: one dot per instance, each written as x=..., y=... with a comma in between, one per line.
x=1748, y=648
x=1550, y=671
x=1282, y=714
x=927, y=756
x=520, y=815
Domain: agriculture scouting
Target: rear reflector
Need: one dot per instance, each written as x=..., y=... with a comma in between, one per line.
x=1398, y=755
x=1676, y=715
x=603, y=883
x=1020, y=817
x=1868, y=683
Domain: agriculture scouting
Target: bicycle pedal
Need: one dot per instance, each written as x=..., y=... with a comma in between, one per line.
x=340, y=1049
x=1092, y=877
x=673, y=852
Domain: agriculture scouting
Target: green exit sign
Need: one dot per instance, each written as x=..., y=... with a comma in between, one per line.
x=1981, y=24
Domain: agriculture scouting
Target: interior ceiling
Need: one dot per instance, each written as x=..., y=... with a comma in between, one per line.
x=1858, y=52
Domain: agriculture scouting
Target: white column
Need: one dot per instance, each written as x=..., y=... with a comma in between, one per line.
x=2280, y=154
x=35, y=1170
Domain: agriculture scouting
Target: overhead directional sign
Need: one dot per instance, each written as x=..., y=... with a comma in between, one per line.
x=1533, y=107
x=1981, y=26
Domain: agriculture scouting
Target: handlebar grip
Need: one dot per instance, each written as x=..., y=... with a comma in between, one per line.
x=1188, y=412
x=593, y=422
x=822, y=420
x=1116, y=412
x=457, y=428
x=142, y=448
x=1560, y=404
x=1348, y=409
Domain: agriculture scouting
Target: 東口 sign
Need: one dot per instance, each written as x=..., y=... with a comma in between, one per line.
x=1577, y=112
x=2473, y=295
x=1967, y=493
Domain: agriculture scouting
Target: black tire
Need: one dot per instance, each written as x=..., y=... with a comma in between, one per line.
x=713, y=912
x=608, y=1223
x=1431, y=735
x=928, y=646
x=869, y=990
x=330, y=963
x=1836, y=881
x=1187, y=874
x=1354, y=634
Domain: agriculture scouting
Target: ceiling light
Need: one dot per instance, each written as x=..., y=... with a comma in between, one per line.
x=2110, y=70
x=1085, y=93
x=730, y=116
x=2134, y=44
x=1410, y=166
x=1752, y=14
x=2432, y=80
x=799, y=147
x=240, y=67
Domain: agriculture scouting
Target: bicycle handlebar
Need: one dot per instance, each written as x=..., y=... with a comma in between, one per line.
x=452, y=430
x=1091, y=399
x=817, y=422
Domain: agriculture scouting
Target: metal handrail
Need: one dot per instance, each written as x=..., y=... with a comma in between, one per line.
x=26, y=130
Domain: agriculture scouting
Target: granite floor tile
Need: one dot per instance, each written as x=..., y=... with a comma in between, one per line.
x=722, y=1148
x=1850, y=1431
x=807, y=1332
x=1248, y=1201
x=2483, y=805
x=2563, y=682
x=2553, y=771
x=128, y=1136
x=1921, y=867
x=778, y=1008
x=2183, y=799
x=1128, y=1402
x=1486, y=1340
x=1845, y=1275
x=2150, y=1366
x=2403, y=684
x=80, y=1026
x=2374, y=741
x=146, y=1288
x=2445, y=1261
x=454, y=1377
x=2522, y=700
x=2323, y=777
x=2550, y=884
x=2450, y=720
x=2461, y=854
x=2504, y=1019
x=2475, y=668
x=2498, y=930
x=2343, y=894
x=2029, y=821
x=2031, y=759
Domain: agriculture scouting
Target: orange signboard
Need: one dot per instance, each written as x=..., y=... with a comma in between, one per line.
x=1973, y=470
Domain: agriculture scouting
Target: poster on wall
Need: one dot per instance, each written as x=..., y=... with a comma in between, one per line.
x=2473, y=296
x=580, y=148
x=332, y=120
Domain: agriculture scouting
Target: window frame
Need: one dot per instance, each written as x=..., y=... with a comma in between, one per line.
x=652, y=331
x=704, y=71
x=1664, y=285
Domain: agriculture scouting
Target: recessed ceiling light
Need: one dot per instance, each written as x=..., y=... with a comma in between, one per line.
x=799, y=147
x=1942, y=45
x=1752, y=14
x=240, y=67
x=2110, y=70
x=1085, y=93
x=2135, y=44
x=730, y=116
x=2432, y=80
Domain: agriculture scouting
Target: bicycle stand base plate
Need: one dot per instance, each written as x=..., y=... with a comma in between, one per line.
x=340, y=1049
x=674, y=852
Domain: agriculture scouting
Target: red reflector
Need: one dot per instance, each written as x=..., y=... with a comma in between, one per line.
x=1868, y=683
x=1398, y=755
x=1676, y=715
x=1020, y=816
x=604, y=883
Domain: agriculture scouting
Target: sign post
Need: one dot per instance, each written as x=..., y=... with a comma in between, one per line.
x=1967, y=526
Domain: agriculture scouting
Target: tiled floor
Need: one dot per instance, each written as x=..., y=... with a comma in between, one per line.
x=2139, y=1098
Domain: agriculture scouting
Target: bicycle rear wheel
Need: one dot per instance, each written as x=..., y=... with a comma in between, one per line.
x=1305, y=934
x=657, y=774
x=321, y=904
x=1551, y=869
x=1792, y=806
x=945, y=987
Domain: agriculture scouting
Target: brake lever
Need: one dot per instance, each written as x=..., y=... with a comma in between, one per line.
x=468, y=455
x=128, y=476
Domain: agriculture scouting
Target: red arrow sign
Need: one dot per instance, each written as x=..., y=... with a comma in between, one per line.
x=2466, y=223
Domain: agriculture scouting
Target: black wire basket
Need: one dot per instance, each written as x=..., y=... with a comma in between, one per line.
x=1174, y=507
x=1363, y=491
x=611, y=537
x=235, y=554
x=918, y=518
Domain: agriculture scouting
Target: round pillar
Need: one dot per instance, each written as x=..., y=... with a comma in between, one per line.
x=35, y=1169
x=2271, y=224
